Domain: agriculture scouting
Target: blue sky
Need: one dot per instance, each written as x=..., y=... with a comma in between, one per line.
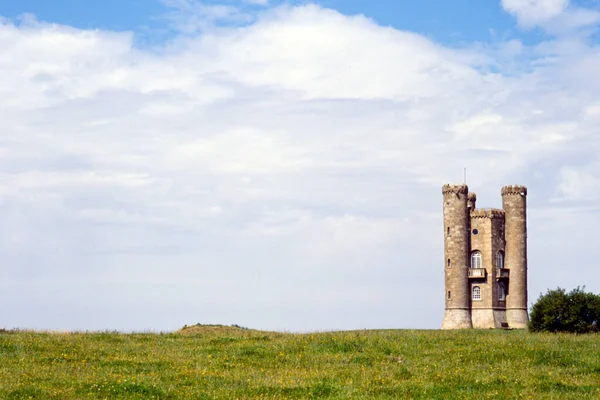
x=110, y=14
x=453, y=22
x=279, y=165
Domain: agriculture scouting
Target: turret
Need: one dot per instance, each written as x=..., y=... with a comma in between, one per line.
x=456, y=250
x=471, y=200
x=514, y=203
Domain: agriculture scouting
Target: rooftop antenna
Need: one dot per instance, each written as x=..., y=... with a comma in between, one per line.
x=465, y=175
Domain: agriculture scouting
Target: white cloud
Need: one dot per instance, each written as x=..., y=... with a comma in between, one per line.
x=592, y=111
x=535, y=12
x=558, y=17
x=191, y=17
x=281, y=175
x=579, y=183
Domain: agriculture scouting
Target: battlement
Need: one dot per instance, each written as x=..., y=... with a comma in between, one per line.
x=471, y=196
x=514, y=190
x=455, y=189
x=491, y=213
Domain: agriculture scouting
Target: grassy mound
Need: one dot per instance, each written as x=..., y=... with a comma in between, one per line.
x=229, y=362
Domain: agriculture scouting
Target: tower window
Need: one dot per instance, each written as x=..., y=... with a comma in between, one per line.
x=476, y=259
x=448, y=231
x=500, y=259
x=448, y=263
x=475, y=232
x=449, y=295
x=476, y=293
x=501, y=291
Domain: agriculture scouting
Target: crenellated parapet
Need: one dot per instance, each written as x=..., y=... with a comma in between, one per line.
x=514, y=190
x=455, y=189
x=491, y=213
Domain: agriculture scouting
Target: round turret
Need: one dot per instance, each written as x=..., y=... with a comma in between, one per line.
x=456, y=251
x=514, y=203
x=471, y=200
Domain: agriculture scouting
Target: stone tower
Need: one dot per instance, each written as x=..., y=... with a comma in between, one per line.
x=456, y=249
x=514, y=203
x=485, y=260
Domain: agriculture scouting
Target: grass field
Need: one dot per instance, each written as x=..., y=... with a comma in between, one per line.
x=215, y=362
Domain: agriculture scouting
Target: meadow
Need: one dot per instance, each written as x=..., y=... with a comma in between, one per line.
x=218, y=362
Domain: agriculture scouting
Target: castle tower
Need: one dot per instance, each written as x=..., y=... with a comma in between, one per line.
x=485, y=260
x=456, y=251
x=514, y=204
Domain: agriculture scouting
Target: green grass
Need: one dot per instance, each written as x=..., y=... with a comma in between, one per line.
x=213, y=362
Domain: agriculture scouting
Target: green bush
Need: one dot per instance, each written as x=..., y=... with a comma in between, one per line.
x=558, y=311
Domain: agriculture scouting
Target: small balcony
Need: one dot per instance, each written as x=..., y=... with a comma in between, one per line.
x=476, y=273
x=502, y=273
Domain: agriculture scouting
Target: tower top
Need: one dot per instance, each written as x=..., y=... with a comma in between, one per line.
x=472, y=196
x=491, y=213
x=514, y=189
x=455, y=189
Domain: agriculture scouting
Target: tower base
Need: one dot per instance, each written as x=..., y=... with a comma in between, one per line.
x=457, y=318
x=488, y=318
x=517, y=318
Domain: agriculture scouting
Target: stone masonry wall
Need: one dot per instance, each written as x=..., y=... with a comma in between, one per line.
x=514, y=203
x=489, y=225
x=456, y=250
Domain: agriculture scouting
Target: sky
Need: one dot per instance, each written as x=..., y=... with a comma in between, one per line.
x=278, y=165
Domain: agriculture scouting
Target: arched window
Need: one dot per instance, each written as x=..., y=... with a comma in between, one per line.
x=476, y=259
x=448, y=231
x=500, y=259
x=449, y=295
x=449, y=264
x=476, y=293
x=501, y=291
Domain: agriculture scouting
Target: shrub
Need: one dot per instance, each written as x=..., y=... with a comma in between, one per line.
x=558, y=311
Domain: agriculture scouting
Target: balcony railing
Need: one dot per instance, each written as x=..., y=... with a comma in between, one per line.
x=502, y=273
x=476, y=273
